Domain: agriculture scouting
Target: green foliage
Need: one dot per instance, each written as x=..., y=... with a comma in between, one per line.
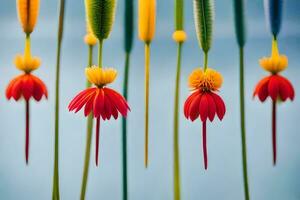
x=204, y=17
x=239, y=19
x=101, y=14
x=129, y=7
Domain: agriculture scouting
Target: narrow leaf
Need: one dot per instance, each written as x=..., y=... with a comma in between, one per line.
x=128, y=25
x=273, y=12
x=239, y=20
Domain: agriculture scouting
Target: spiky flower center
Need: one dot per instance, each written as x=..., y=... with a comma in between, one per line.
x=27, y=63
x=208, y=80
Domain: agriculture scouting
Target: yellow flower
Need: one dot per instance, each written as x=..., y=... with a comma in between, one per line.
x=99, y=76
x=179, y=36
x=147, y=18
x=27, y=63
x=209, y=80
x=90, y=39
x=276, y=63
x=28, y=11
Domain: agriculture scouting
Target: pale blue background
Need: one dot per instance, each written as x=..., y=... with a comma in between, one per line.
x=223, y=180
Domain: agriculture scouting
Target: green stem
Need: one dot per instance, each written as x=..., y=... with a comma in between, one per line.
x=27, y=46
x=147, y=74
x=124, y=129
x=205, y=60
x=100, y=53
x=176, y=127
x=55, y=193
x=243, y=129
x=89, y=133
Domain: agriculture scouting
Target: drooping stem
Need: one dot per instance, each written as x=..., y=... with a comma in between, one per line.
x=124, y=129
x=205, y=60
x=204, y=145
x=55, y=193
x=89, y=133
x=27, y=133
x=274, y=131
x=176, y=127
x=147, y=76
x=100, y=53
x=243, y=125
x=97, y=140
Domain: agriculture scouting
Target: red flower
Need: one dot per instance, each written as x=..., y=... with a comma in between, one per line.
x=26, y=86
x=276, y=87
x=100, y=101
x=204, y=103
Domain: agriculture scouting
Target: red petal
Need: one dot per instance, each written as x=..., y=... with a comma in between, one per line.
x=203, y=107
x=107, y=109
x=73, y=104
x=188, y=103
x=194, y=111
x=273, y=87
x=220, y=106
x=117, y=100
x=212, y=107
x=291, y=88
x=27, y=87
x=98, y=103
x=89, y=106
x=262, y=89
x=17, y=89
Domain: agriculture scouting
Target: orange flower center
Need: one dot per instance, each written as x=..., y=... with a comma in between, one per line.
x=209, y=80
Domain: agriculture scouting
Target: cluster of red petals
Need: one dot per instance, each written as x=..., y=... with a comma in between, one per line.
x=205, y=104
x=275, y=86
x=26, y=86
x=102, y=102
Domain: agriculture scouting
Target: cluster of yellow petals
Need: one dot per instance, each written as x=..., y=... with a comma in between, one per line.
x=179, y=36
x=208, y=80
x=28, y=11
x=90, y=39
x=147, y=19
x=99, y=76
x=276, y=63
x=27, y=63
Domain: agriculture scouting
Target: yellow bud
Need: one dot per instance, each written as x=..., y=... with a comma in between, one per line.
x=99, y=76
x=27, y=63
x=28, y=11
x=179, y=36
x=147, y=19
x=90, y=39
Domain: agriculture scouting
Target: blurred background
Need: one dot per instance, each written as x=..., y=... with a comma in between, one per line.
x=222, y=180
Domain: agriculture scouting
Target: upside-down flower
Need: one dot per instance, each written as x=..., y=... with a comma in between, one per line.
x=275, y=86
x=204, y=102
x=27, y=85
x=100, y=100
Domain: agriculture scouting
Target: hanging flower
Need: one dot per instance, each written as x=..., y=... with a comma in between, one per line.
x=100, y=100
x=204, y=103
x=275, y=86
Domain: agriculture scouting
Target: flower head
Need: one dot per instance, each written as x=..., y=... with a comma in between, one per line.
x=26, y=86
x=276, y=87
x=27, y=63
x=90, y=39
x=276, y=62
x=209, y=80
x=179, y=36
x=99, y=76
x=147, y=19
x=28, y=11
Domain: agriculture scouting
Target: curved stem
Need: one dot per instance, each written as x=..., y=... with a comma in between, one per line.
x=243, y=128
x=97, y=140
x=147, y=74
x=176, y=128
x=204, y=145
x=55, y=193
x=124, y=128
x=100, y=53
x=274, y=131
x=27, y=133
x=205, y=60
x=89, y=134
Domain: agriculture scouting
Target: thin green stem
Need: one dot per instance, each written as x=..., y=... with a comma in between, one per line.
x=100, y=53
x=179, y=9
x=176, y=127
x=205, y=60
x=89, y=133
x=243, y=128
x=147, y=75
x=55, y=193
x=124, y=129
